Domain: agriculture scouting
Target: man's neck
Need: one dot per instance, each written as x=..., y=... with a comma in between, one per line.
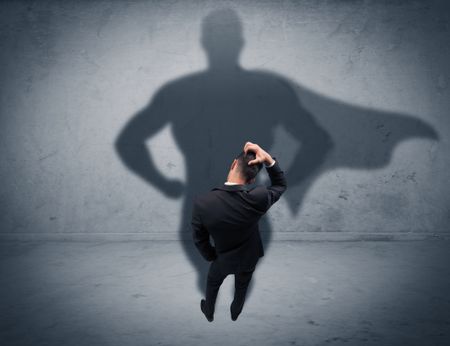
x=235, y=181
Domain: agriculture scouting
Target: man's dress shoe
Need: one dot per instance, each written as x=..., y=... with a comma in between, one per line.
x=235, y=311
x=210, y=318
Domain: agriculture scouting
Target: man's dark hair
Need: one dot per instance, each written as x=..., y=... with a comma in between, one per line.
x=248, y=172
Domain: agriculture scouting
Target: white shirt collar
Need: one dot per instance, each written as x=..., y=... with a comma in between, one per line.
x=231, y=183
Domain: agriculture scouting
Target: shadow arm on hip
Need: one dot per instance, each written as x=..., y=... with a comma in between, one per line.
x=316, y=144
x=131, y=148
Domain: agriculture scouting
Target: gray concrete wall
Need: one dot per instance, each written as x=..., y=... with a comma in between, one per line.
x=374, y=76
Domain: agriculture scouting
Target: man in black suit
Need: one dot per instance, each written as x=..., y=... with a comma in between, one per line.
x=230, y=214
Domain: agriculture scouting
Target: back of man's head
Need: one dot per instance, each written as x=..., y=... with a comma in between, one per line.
x=248, y=172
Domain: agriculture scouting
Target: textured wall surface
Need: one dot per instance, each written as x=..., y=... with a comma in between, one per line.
x=114, y=114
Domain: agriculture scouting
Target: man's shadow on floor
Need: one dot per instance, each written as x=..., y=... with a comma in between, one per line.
x=215, y=111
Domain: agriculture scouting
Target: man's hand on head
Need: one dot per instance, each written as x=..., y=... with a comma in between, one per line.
x=262, y=156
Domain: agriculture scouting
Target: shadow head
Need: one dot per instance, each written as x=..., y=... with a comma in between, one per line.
x=222, y=36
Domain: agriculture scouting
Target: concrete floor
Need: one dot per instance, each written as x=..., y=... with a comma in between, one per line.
x=303, y=293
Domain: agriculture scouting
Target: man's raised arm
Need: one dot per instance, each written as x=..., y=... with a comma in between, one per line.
x=278, y=183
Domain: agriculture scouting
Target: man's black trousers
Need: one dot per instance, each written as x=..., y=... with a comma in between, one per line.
x=215, y=279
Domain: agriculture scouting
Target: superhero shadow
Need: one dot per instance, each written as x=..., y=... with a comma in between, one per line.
x=215, y=111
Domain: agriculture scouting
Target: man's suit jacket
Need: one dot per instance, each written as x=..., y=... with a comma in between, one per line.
x=230, y=214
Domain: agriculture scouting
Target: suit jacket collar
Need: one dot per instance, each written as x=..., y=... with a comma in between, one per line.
x=239, y=187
